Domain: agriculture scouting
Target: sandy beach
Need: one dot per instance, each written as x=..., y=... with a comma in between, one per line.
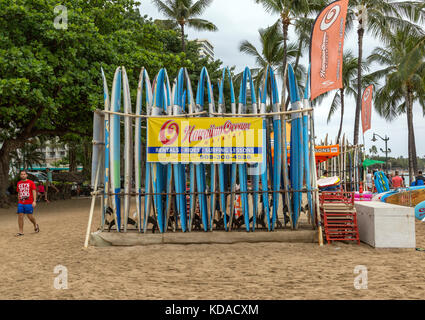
x=239, y=271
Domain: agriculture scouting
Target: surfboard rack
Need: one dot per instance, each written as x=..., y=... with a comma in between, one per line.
x=157, y=187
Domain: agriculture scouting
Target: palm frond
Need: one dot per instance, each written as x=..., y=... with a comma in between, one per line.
x=199, y=7
x=335, y=105
x=201, y=24
x=164, y=9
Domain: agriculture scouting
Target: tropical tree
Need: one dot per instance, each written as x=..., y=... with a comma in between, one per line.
x=373, y=150
x=185, y=12
x=289, y=12
x=380, y=18
x=50, y=79
x=404, y=75
x=28, y=156
x=271, y=52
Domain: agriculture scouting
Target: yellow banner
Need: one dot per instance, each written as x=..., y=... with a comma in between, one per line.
x=205, y=140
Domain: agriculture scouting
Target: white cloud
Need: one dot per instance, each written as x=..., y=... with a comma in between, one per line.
x=239, y=20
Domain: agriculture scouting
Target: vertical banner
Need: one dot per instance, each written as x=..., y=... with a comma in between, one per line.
x=205, y=140
x=326, y=48
x=367, y=108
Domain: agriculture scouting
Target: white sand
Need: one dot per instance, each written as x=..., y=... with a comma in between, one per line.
x=240, y=271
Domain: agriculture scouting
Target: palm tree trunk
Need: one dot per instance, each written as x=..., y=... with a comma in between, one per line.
x=72, y=153
x=360, y=33
x=410, y=134
x=342, y=114
x=297, y=60
x=182, y=35
x=4, y=172
x=413, y=161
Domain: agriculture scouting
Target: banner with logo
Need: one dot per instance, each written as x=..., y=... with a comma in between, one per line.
x=326, y=49
x=367, y=108
x=205, y=140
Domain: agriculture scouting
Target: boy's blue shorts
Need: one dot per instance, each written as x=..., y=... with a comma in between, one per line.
x=25, y=208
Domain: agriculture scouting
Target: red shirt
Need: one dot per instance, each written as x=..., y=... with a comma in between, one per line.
x=25, y=189
x=397, y=182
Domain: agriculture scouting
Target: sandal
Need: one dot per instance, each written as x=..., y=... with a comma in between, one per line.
x=19, y=234
x=37, y=229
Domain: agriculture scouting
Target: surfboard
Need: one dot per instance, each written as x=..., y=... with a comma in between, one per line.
x=143, y=86
x=296, y=145
x=262, y=94
x=222, y=167
x=286, y=197
x=200, y=168
x=127, y=147
x=192, y=170
x=306, y=105
x=275, y=156
x=420, y=211
x=160, y=173
x=328, y=182
x=115, y=146
x=244, y=169
x=406, y=196
x=106, y=149
x=381, y=182
x=182, y=94
x=378, y=196
x=98, y=138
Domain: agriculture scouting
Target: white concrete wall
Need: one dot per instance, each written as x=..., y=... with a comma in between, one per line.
x=384, y=225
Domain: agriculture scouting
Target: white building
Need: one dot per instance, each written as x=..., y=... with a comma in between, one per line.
x=54, y=151
x=206, y=50
x=54, y=154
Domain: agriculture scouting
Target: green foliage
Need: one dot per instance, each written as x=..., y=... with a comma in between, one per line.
x=50, y=78
x=403, y=69
x=184, y=12
x=27, y=157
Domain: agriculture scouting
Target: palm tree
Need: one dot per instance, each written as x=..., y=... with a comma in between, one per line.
x=271, y=53
x=349, y=71
x=373, y=150
x=28, y=156
x=404, y=75
x=380, y=17
x=289, y=12
x=185, y=12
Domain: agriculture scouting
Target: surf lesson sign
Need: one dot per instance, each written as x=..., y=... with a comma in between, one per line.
x=205, y=140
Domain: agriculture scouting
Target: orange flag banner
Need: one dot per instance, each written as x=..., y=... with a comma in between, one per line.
x=367, y=108
x=327, y=42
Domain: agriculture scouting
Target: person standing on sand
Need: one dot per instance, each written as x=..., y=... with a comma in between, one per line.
x=369, y=180
x=27, y=200
x=398, y=181
x=49, y=182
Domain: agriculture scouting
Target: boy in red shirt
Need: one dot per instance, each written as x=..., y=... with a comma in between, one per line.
x=397, y=181
x=27, y=196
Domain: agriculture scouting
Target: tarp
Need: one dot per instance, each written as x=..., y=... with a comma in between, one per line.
x=370, y=162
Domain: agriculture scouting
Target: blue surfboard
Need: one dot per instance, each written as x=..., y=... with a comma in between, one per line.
x=420, y=211
x=222, y=167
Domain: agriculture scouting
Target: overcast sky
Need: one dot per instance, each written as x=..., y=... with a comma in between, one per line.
x=239, y=20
